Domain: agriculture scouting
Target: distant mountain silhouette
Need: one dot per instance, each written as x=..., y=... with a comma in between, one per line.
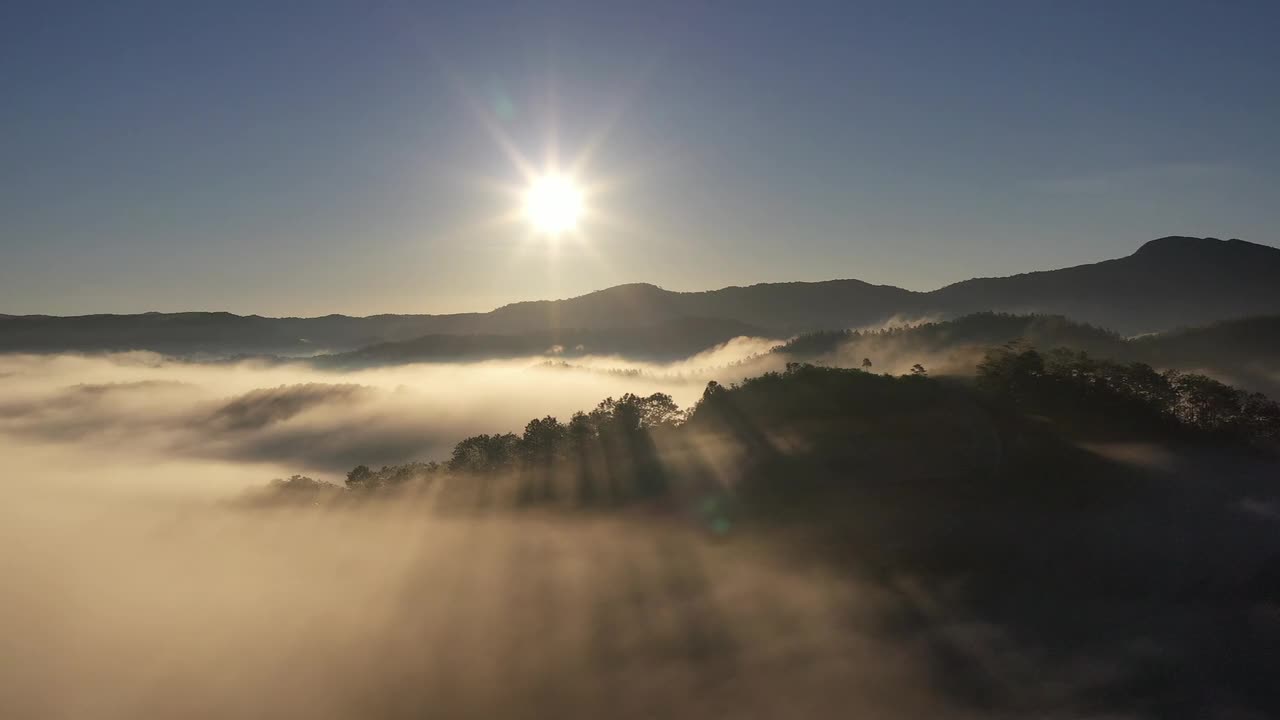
x=214, y=333
x=1169, y=282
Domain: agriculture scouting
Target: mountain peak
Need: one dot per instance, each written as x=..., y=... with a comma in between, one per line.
x=631, y=288
x=1184, y=245
x=1177, y=243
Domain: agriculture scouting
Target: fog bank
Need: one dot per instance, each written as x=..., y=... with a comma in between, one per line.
x=143, y=409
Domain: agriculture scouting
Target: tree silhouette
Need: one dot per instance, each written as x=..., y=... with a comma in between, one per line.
x=843, y=414
x=358, y=478
x=484, y=453
x=541, y=447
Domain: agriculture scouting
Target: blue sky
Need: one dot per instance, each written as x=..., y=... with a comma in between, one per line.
x=307, y=158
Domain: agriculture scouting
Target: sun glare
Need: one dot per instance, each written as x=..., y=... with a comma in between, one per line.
x=553, y=205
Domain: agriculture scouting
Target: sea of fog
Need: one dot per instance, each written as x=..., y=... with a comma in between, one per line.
x=135, y=586
x=137, y=583
x=114, y=421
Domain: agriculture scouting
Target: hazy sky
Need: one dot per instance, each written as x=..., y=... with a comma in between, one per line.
x=307, y=158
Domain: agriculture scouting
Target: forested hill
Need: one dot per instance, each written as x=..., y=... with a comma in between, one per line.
x=1245, y=352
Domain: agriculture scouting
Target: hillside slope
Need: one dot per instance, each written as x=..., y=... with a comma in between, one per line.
x=1170, y=282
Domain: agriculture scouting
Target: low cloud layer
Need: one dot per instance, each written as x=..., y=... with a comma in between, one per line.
x=156, y=409
x=146, y=409
x=132, y=590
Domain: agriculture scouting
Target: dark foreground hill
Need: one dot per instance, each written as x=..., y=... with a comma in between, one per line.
x=1170, y=282
x=1063, y=537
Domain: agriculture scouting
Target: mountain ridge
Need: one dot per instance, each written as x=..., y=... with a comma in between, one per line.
x=1167, y=282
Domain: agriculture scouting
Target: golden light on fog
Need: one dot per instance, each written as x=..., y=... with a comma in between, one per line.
x=553, y=204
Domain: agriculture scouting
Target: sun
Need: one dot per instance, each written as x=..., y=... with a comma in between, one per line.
x=553, y=204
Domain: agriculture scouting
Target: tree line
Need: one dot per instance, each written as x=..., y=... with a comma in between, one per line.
x=1066, y=382
x=611, y=453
